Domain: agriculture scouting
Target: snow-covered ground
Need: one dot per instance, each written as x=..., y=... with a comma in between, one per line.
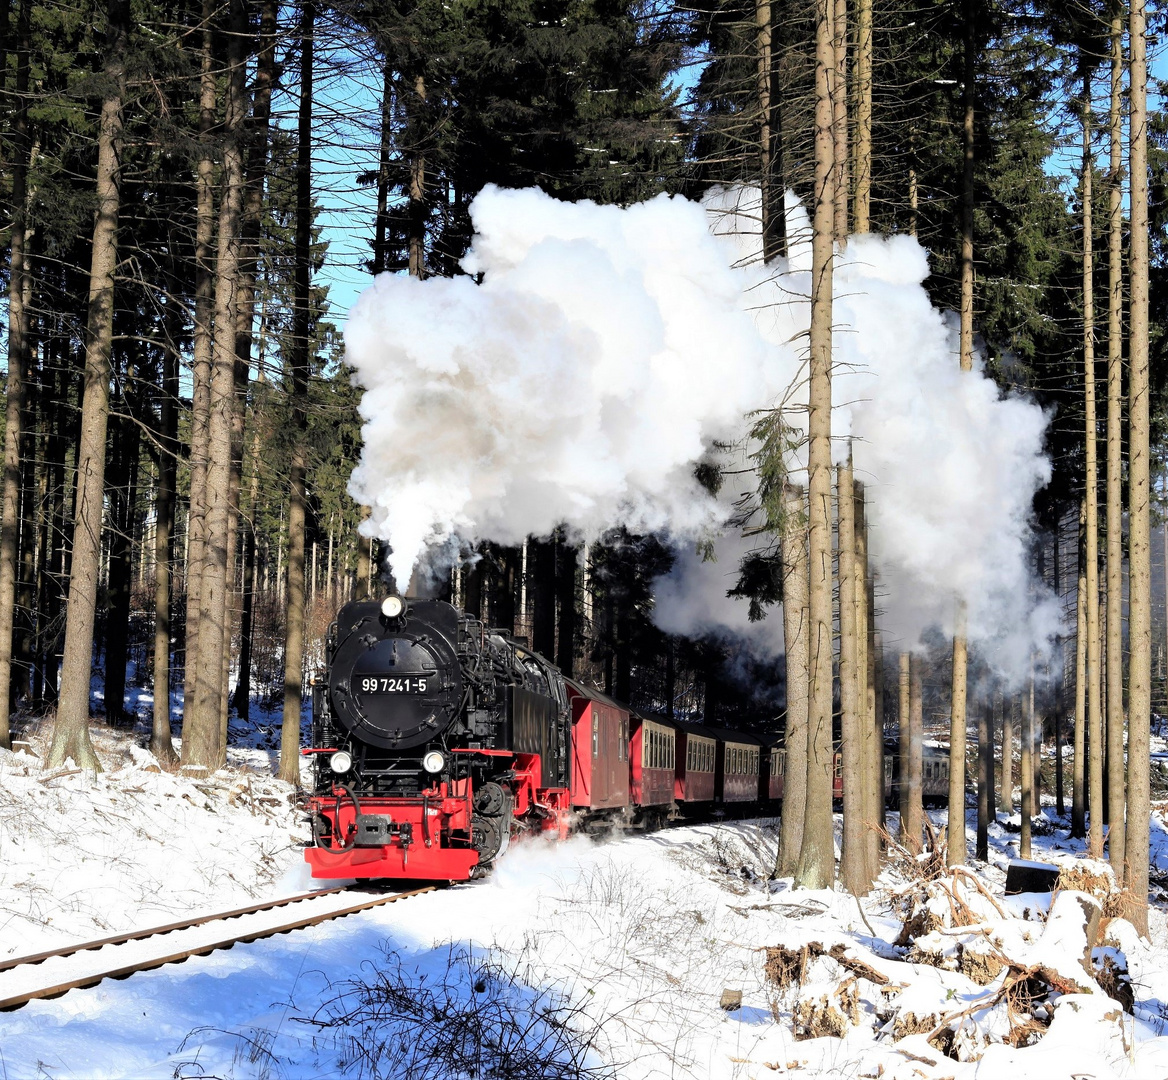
x=572, y=960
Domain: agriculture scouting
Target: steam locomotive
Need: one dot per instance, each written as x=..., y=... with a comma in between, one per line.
x=436, y=740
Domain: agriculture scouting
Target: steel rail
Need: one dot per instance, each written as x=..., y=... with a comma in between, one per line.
x=148, y=964
x=138, y=935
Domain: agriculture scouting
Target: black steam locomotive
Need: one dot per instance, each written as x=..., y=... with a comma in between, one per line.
x=433, y=739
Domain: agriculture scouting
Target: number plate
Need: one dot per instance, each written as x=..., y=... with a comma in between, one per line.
x=392, y=684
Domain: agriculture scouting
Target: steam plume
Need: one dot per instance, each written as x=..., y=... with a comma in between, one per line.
x=608, y=350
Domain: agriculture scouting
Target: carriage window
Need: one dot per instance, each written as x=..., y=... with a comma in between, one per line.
x=595, y=734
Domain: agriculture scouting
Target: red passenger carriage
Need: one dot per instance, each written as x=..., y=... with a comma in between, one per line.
x=653, y=761
x=600, y=750
x=695, y=757
x=776, y=773
x=737, y=767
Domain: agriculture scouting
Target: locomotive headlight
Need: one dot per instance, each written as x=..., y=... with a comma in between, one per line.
x=341, y=761
x=433, y=762
x=392, y=607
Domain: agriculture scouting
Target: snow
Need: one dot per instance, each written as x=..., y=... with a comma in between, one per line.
x=583, y=959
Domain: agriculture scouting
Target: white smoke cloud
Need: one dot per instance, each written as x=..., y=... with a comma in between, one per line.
x=607, y=350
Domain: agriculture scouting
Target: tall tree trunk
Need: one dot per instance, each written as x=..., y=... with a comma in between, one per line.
x=771, y=184
x=202, y=746
x=1092, y=720
x=1059, y=688
x=17, y=366
x=957, y=849
x=417, y=201
x=122, y=489
x=904, y=724
x=302, y=346
x=71, y=730
x=816, y=868
x=1139, y=520
x=566, y=606
x=381, y=225
x=58, y=453
x=1006, y=796
x=1115, y=769
x=985, y=776
x=30, y=462
x=543, y=597
x=1026, y=764
x=242, y=699
x=871, y=755
x=794, y=555
x=256, y=169
x=1079, y=782
x=913, y=816
x=201, y=349
x=853, y=857
x=862, y=199
x=161, y=745
x=840, y=119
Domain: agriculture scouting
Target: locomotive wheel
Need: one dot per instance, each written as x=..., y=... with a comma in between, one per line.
x=486, y=836
x=490, y=800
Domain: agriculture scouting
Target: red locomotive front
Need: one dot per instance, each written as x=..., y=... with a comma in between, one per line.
x=434, y=741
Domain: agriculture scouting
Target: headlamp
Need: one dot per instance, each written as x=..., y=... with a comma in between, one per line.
x=341, y=761
x=392, y=607
x=433, y=762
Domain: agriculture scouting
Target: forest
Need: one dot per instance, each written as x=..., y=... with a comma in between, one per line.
x=178, y=524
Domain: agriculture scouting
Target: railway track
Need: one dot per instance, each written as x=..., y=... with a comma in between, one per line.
x=56, y=971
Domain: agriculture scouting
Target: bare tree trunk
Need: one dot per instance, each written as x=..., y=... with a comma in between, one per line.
x=1139, y=520
x=381, y=234
x=1092, y=719
x=256, y=169
x=862, y=201
x=201, y=352
x=872, y=755
x=1115, y=769
x=247, y=618
x=417, y=203
x=853, y=860
x=1078, y=792
x=1006, y=796
x=1059, y=689
x=913, y=200
x=565, y=605
x=956, y=851
x=904, y=724
x=816, y=868
x=914, y=818
x=121, y=492
x=794, y=554
x=202, y=746
x=985, y=776
x=161, y=745
x=17, y=368
x=1026, y=765
x=302, y=346
x=879, y=720
x=71, y=730
x=840, y=120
